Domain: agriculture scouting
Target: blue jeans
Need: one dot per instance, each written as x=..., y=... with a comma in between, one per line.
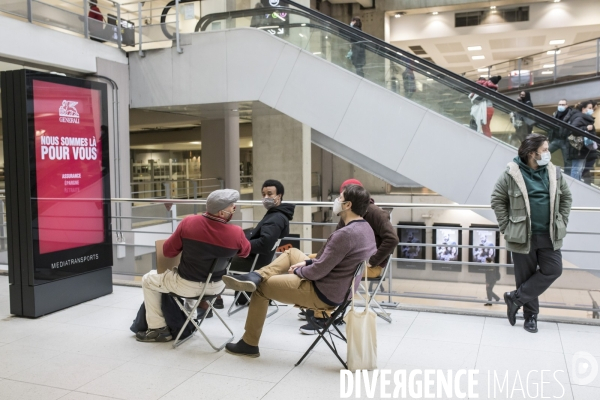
x=577, y=167
x=563, y=145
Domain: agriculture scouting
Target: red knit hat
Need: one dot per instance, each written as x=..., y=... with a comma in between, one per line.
x=350, y=182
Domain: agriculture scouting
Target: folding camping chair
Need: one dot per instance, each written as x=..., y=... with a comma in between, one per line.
x=330, y=323
x=377, y=282
x=218, y=265
x=233, y=310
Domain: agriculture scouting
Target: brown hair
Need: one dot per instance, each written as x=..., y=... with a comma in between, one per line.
x=359, y=197
x=531, y=144
x=357, y=22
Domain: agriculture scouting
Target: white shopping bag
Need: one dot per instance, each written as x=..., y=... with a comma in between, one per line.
x=361, y=334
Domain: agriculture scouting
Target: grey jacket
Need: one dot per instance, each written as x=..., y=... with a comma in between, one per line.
x=510, y=202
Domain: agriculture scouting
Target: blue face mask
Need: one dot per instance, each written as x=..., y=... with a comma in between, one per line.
x=562, y=108
x=589, y=111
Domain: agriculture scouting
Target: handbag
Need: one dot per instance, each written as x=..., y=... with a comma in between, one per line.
x=361, y=335
x=576, y=141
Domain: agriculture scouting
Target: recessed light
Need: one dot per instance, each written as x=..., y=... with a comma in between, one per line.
x=548, y=66
x=435, y=13
x=482, y=70
x=429, y=79
x=559, y=41
x=557, y=1
x=397, y=15
x=302, y=24
x=478, y=57
x=474, y=48
x=317, y=53
x=547, y=72
x=552, y=52
x=195, y=142
x=492, y=7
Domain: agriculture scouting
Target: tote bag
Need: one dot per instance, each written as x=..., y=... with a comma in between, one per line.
x=361, y=335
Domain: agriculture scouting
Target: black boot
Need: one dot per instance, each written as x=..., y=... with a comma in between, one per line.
x=511, y=307
x=530, y=324
x=243, y=283
x=242, y=348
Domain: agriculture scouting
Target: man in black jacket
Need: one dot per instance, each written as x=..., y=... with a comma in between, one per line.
x=274, y=225
x=558, y=140
x=581, y=119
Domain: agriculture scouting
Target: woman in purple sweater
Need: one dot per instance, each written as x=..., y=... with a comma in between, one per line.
x=293, y=278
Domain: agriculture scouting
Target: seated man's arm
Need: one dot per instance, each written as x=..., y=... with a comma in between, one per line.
x=333, y=253
x=269, y=233
x=174, y=245
x=243, y=245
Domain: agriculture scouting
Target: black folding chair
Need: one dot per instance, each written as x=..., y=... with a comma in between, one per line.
x=233, y=310
x=330, y=323
x=218, y=265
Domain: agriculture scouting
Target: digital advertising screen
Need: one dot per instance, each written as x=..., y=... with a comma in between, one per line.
x=484, y=241
x=69, y=177
x=411, y=237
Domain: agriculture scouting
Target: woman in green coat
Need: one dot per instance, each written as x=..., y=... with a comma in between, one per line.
x=532, y=203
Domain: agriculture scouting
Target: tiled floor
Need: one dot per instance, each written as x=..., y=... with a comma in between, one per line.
x=87, y=352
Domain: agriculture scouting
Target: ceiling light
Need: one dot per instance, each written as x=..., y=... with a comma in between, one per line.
x=317, y=53
x=552, y=52
x=547, y=72
x=474, y=48
x=492, y=7
x=559, y=41
x=548, y=66
x=429, y=79
x=435, y=13
x=302, y=24
x=557, y=1
x=482, y=70
x=399, y=14
x=478, y=57
x=195, y=142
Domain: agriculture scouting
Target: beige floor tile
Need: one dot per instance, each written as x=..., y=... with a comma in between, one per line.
x=15, y=358
x=13, y=390
x=217, y=387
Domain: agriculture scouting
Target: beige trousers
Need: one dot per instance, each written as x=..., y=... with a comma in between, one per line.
x=153, y=285
x=277, y=284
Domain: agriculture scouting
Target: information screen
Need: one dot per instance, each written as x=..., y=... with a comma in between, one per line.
x=68, y=151
x=69, y=177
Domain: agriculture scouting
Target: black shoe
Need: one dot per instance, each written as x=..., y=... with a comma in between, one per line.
x=201, y=311
x=488, y=304
x=218, y=304
x=155, y=335
x=511, y=307
x=302, y=315
x=530, y=324
x=310, y=328
x=243, y=283
x=242, y=348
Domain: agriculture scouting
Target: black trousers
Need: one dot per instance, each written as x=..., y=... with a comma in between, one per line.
x=531, y=281
x=489, y=287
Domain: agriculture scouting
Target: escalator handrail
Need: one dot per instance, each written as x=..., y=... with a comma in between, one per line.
x=449, y=78
x=473, y=87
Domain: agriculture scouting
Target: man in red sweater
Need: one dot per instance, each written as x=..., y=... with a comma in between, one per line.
x=200, y=239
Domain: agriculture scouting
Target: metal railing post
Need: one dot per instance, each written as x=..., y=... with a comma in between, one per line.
x=179, y=49
x=29, y=12
x=519, y=67
x=598, y=56
x=141, y=51
x=119, y=29
x=195, y=183
x=222, y=183
x=555, y=64
x=86, y=20
x=2, y=241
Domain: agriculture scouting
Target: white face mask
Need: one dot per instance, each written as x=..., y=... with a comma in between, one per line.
x=337, y=206
x=590, y=111
x=544, y=160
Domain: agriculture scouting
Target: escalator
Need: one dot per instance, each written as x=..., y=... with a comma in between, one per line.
x=405, y=117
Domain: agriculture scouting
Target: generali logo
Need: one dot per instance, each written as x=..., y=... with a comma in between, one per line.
x=67, y=113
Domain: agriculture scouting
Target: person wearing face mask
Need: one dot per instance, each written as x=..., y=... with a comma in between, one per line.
x=558, y=139
x=357, y=51
x=532, y=203
x=293, y=278
x=578, y=151
x=200, y=239
x=273, y=226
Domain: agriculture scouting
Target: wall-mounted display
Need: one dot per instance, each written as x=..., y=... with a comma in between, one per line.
x=447, y=237
x=408, y=236
x=487, y=239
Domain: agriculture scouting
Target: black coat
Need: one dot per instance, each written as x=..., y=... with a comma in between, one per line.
x=580, y=121
x=274, y=225
x=563, y=133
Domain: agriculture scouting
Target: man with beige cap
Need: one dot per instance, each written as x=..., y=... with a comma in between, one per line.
x=200, y=239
